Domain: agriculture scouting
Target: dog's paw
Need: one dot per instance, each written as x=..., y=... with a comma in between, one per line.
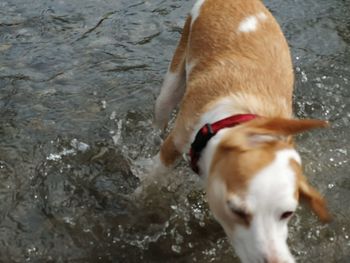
x=150, y=172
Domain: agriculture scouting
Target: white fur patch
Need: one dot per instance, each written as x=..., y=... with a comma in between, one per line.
x=189, y=66
x=196, y=10
x=223, y=108
x=262, y=16
x=218, y=189
x=277, y=178
x=250, y=23
x=270, y=194
x=170, y=95
x=208, y=153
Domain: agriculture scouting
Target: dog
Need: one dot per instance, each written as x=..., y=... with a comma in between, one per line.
x=232, y=76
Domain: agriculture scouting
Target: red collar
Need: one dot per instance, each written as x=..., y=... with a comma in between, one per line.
x=209, y=130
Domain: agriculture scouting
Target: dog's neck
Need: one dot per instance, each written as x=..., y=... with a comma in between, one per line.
x=234, y=105
x=209, y=130
x=218, y=110
x=242, y=104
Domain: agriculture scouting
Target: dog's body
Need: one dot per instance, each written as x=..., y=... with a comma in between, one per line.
x=233, y=59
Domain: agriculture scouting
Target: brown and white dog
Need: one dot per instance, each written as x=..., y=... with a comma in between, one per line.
x=233, y=74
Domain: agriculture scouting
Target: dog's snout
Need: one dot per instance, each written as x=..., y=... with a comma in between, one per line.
x=271, y=260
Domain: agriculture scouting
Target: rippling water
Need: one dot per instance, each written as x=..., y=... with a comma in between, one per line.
x=78, y=81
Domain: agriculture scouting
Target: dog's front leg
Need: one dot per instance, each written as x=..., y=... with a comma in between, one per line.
x=169, y=152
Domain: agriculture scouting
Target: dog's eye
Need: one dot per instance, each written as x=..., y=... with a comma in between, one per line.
x=286, y=215
x=240, y=213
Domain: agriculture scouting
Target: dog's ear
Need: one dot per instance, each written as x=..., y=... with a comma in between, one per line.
x=314, y=199
x=265, y=130
x=285, y=127
x=261, y=131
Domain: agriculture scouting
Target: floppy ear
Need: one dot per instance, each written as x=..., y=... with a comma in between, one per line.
x=264, y=130
x=314, y=199
x=286, y=127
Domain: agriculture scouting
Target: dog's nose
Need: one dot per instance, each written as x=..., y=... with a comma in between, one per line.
x=271, y=260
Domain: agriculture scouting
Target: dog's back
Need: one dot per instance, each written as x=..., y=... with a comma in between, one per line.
x=229, y=48
x=237, y=47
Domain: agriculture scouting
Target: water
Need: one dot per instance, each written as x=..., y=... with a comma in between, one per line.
x=78, y=81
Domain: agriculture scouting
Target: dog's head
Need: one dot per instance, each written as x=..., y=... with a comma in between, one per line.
x=255, y=184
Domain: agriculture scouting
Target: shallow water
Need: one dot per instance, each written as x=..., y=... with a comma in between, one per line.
x=78, y=81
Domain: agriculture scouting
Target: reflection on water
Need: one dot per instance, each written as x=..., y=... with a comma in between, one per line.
x=78, y=81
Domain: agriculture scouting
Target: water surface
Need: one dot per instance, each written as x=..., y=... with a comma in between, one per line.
x=78, y=82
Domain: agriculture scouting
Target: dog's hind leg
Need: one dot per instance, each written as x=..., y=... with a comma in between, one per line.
x=174, y=84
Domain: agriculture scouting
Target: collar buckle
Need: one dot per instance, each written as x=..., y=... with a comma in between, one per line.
x=202, y=137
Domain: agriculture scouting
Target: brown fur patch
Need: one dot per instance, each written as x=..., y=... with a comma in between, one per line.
x=237, y=165
x=168, y=152
x=229, y=62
